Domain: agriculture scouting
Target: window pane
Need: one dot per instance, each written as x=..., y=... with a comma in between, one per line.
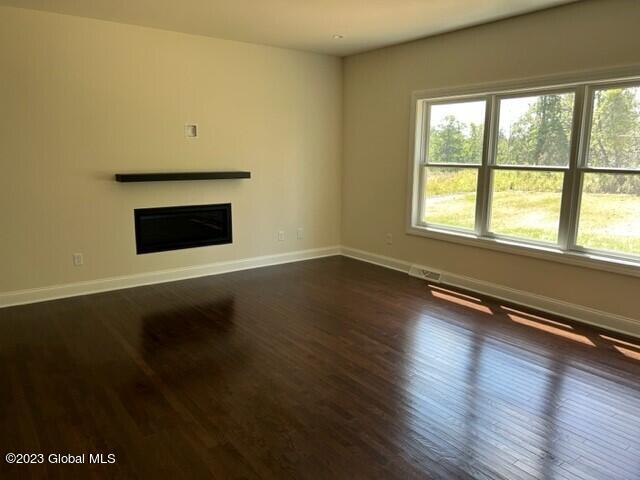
x=535, y=130
x=610, y=213
x=615, y=130
x=450, y=196
x=526, y=204
x=456, y=132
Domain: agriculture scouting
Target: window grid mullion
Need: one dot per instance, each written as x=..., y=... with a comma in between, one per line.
x=484, y=178
x=614, y=171
x=579, y=161
x=451, y=165
x=530, y=168
x=567, y=225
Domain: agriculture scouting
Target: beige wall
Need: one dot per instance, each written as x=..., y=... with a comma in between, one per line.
x=582, y=36
x=83, y=99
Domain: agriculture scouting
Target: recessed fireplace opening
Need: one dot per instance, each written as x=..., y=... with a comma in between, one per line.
x=173, y=228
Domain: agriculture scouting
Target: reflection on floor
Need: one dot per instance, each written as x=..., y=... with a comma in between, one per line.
x=329, y=368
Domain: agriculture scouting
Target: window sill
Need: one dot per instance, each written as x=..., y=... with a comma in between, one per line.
x=586, y=260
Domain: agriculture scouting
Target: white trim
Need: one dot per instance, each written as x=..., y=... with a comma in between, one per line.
x=380, y=260
x=605, y=76
x=33, y=295
x=548, y=253
x=579, y=313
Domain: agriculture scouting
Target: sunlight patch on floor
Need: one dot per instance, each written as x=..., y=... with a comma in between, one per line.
x=548, y=326
x=628, y=349
x=459, y=299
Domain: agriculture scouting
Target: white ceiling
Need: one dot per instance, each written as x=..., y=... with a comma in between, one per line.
x=299, y=24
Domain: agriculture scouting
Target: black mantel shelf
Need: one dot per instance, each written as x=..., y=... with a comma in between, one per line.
x=171, y=176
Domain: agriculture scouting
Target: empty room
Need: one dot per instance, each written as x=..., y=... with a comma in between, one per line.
x=320, y=239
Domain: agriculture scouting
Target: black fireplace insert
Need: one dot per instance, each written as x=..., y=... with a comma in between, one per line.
x=174, y=228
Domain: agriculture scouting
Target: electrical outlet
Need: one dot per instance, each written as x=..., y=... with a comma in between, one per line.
x=78, y=259
x=300, y=233
x=191, y=130
x=388, y=238
x=281, y=235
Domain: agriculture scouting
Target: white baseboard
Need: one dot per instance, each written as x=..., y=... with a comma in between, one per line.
x=33, y=295
x=598, y=318
x=579, y=313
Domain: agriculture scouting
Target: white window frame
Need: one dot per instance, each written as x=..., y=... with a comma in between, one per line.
x=566, y=250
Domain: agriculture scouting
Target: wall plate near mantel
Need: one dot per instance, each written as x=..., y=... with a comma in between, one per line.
x=178, y=176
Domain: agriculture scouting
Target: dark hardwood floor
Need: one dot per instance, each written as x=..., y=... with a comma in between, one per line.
x=327, y=369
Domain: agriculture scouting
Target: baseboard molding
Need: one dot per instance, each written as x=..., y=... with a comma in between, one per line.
x=598, y=318
x=579, y=313
x=34, y=295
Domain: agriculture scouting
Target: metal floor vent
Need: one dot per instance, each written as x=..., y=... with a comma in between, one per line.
x=420, y=272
